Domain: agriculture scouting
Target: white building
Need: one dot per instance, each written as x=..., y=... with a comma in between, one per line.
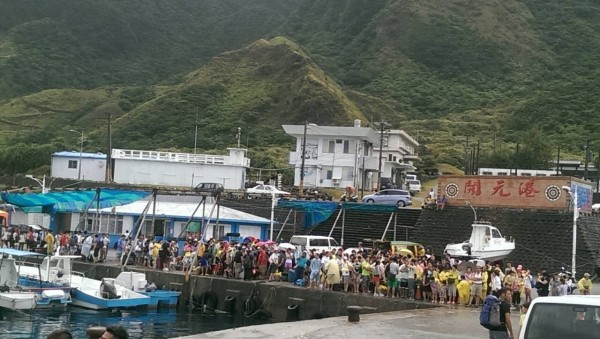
x=399, y=150
x=180, y=169
x=521, y=172
x=81, y=166
x=335, y=156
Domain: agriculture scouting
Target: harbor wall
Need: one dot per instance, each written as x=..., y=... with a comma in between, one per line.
x=543, y=238
x=273, y=297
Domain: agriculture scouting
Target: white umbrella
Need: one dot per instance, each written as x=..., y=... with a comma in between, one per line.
x=286, y=245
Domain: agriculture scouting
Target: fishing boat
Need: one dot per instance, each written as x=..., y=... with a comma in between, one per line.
x=15, y=296
x=486, y=243
x=136, y=281
x=56, y=271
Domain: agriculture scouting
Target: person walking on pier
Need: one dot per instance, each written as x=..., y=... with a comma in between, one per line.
x=505, y=330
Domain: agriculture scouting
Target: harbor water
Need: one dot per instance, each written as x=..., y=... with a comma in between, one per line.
x=139, y=323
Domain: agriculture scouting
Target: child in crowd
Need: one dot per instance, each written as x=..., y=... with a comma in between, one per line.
x=523, y=313
x=563, y=288
x=464, y=290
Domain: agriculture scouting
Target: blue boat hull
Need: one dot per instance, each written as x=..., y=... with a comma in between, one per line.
x=162, y=298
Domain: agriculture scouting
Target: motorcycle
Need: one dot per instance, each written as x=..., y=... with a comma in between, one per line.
x=351, y=198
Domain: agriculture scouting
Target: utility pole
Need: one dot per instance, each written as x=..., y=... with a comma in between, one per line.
x=196, y=131
x=477, y=158
x=517, y=161
x=109, y=153
x=239, y=135
x=382, y=126
x=586, y=148
x=81, y=134
x=557, y=160
x=380, y=155
x=467, y=156
x=598, y=173
x=303, y=160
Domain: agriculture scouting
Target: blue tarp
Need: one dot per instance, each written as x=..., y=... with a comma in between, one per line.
x=315, y=212
x=72, y=201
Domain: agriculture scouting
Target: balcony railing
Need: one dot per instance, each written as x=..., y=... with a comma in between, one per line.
x=176, y=157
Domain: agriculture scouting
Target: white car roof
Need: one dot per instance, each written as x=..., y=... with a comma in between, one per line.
x=587, y=300
x=312, y=236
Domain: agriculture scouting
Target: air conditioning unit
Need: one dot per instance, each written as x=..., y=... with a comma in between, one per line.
x=336, y=182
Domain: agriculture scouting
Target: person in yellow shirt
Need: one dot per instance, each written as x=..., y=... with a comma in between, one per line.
x=484, y=287
x=443, y=286
x=585, y=285
x=49, y=243
x=452, y=282
x=464, y=290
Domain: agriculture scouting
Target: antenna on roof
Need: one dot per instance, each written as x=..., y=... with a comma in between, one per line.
x=474, y=211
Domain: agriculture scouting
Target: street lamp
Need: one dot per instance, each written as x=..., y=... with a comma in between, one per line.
x=80, y=151
x=40, y=182
x=573, y=194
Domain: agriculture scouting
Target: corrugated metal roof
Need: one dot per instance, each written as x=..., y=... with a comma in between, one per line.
x=184, y=210
x=73, y=154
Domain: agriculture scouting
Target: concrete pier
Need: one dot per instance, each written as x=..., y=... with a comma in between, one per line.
x=442, y=322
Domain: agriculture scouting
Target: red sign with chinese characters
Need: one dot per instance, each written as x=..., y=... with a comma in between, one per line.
x=506, y=191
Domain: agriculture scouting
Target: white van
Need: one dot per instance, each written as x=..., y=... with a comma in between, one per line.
x=414, y=186
x=310, y=242
x=411, y=177
x=571, y=316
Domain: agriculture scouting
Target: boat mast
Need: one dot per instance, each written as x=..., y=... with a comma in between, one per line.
x=474, y=211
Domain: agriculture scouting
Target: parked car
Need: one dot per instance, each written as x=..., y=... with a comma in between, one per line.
x=265, y=189
x=209, y=188
x=310, y=242
x=414, y=186
x=400, y=198
x=570, y=316
x=387, y=183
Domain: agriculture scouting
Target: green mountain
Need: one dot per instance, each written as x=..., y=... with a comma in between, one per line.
x=500, y=72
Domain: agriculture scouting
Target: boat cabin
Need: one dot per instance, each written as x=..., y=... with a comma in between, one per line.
x=55, y=267
x=485, y=235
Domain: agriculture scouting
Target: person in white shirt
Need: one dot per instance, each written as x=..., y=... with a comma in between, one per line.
x=495, y=282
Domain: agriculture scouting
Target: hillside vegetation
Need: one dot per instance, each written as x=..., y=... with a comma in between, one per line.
x=500, y=71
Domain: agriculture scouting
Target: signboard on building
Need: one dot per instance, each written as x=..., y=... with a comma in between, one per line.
x=515, y=191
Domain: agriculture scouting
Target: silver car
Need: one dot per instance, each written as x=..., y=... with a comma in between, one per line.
x=400, y=198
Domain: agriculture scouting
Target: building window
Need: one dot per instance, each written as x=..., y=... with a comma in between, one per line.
x=328, y=146
x=389, y=157
x=72, y=163
x=395, y=159
x=348, y=147
x=329, y=174
x=348, y=173
x=107, y=223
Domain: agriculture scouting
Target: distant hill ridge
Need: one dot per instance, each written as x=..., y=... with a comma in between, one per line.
x=501, y=72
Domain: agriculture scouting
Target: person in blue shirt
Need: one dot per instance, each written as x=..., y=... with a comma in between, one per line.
x=300, y=265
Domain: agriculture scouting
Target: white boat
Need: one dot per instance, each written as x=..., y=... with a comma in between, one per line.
x=486, y=243
x=15, y=296
x=18, y=300
x=88, y=293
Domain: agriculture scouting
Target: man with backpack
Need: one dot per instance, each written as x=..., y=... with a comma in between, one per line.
x=495, y=315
